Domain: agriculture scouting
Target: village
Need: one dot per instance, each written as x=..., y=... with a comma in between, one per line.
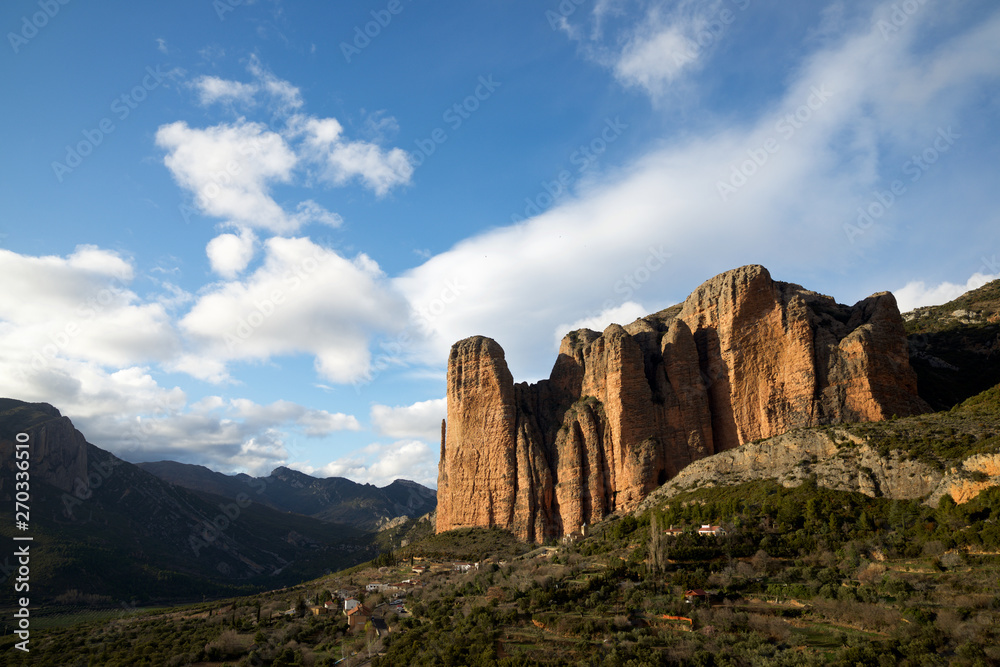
x=373, y=605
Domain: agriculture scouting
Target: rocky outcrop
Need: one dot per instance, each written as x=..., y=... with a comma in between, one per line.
x=743, y=358
x=839, y=460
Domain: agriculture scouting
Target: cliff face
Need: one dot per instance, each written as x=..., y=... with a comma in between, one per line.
x=58, y=450
x=625, y=410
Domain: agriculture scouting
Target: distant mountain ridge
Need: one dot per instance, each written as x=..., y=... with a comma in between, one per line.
x=107, y=529
x=333, y=499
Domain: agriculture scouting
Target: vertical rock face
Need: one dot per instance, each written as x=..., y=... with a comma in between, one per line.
x=58, y=450
x=744, y=357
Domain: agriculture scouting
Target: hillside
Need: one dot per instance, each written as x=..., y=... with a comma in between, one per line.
x=955, y=347
x=802, y=576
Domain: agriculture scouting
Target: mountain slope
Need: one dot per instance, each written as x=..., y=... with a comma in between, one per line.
x=105, y=527
x=333, y=499
x=955, y=347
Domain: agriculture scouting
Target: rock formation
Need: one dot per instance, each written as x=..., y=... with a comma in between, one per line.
x=841, y=461
x=58, y=450
x=743, y=358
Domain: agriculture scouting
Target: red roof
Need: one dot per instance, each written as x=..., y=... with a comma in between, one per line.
x=695, y=592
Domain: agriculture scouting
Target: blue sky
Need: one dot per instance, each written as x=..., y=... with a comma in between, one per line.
x=245, y=234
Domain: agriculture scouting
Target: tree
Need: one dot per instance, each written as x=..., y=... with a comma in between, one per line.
x=657, y=546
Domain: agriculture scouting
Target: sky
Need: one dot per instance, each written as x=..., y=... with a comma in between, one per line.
x=245, y=234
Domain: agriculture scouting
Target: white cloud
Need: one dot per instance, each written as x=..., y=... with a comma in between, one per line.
x=282, y=95
x=73, y=334
x=670, y=40
x=309, y=212
x=314, y=423
x=79, y=308
x=623, y=314
x=212, y=89
x=302, y=299
x=230, y=254
x=916, y=293
x=230, y=170
x=383, y=464
x=421, y=420
x=860, y=106
x=287, y=96
x=341, y=161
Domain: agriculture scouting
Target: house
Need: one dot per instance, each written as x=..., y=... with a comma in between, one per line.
x=318, y=610
x=351, y=603
x=673, y=532
x=419, y=569
x=375, y=587
x=464, y=567
x=358, y=616
x=695, y=595
x=714, y=531
x=331, y=605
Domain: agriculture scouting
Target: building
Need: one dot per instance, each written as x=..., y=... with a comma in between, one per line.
x=714, y=531
x=351, y=603
x=673, y=532
x=318, y=610
x=695, y=595
x=357, y=616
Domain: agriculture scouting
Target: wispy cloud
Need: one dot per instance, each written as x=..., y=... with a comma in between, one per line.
x=807, y=166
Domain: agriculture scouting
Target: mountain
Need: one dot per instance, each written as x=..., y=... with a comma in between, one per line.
x=955, y=348
x=745, y=357
x=103, y=528
x=334, y=499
